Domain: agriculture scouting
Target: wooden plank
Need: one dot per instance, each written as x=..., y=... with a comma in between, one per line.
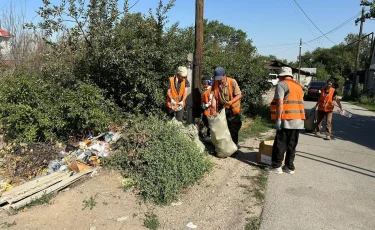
x=26, y=186
x=36, y=189
x=64, y=183
x=28, y=189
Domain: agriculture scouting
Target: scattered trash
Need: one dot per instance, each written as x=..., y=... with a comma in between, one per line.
x=190, y=131
x=94, y=173
x=177, y=203
x=5, y=186
x=191, y=225
x=123, y=218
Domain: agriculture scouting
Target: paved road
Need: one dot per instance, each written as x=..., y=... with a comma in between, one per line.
x=334, y=183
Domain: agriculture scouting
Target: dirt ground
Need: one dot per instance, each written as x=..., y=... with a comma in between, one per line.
x=222, y=200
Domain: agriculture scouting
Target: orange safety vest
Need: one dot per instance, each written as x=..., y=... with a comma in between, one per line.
x=176, y=96
x=326, y=103
x=293, y=107
x=236, y=106
x=206, y=99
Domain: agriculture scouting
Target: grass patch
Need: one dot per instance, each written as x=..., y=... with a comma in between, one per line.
x=255, y=128
x=44, y=199
x=8, y=225
x=252, y=223
x=151, y=221
x=370, y=107
x=90, y=203
x=260, y=183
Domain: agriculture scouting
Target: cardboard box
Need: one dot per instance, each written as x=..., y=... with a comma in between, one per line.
x=78, y=166
x=265, y=153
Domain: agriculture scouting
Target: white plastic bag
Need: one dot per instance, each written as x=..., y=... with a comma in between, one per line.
x=220, y=135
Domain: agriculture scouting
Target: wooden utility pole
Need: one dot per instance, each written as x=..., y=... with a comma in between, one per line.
x=198, y=57
x=299, y=62
x=356, y=79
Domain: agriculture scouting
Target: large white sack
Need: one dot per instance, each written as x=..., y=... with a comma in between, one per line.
x=220, y=135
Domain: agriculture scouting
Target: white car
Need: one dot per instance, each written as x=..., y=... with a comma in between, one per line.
x=273, y=79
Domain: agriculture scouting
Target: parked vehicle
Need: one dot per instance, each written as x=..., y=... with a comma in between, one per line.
x=273, y=79
x=314, y=89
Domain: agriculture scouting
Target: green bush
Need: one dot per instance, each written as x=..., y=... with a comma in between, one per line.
x=33, y=110
x=160, y=159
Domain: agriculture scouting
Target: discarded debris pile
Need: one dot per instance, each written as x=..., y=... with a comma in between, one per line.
x=39, y=161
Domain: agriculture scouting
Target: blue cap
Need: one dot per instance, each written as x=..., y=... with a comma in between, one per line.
x=219, y=72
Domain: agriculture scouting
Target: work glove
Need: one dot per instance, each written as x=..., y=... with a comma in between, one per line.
x=181, y=103
x=204, y=107
x=172, y=102
x=228, y=104
x=278, y=125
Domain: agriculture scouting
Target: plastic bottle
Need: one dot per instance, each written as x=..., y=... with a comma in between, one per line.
x=345, y=113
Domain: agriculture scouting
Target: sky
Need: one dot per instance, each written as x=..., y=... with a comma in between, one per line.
x=274, y=26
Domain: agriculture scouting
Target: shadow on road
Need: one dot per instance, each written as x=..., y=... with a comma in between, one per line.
x=342, y=163
x=358, y=129
x=338, y=166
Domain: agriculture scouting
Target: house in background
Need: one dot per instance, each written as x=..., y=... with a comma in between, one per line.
x=306, y=74
x=5, y=57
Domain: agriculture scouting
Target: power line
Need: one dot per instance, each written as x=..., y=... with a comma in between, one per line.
x=133, y=5
x=314, y=39
x=312, y=22
x=302, y=19
x=336, y=28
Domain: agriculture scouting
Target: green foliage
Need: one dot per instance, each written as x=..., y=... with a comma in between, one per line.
x=151, y=221
x=255, y=129
x=89, y=203
x=8, y=225
x=32, y=109
x=339, y=60
x=253, y=223
x=130, y=56
x=371, y=13
x=161, y=160
x=44, y=199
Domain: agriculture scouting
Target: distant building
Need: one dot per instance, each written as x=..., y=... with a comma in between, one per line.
x=306, y=74
x=5, y=37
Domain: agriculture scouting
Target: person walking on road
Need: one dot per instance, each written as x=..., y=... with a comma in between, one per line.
x=227, y=95
x=325, y=106
x=177, y=93
x=288, y=112
x=346, y=89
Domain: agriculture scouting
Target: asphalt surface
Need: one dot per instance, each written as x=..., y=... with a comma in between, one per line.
x=334, y=182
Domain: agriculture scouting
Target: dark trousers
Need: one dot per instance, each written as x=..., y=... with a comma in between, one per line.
x=205, y=122
x=285, y=140
x=179, y=114
x=234, y=124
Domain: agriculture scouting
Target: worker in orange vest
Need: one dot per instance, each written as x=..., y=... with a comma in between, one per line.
x=325, y=106
x=207, y=95
x=288, y=112
x=227, y=95
x=177, y=93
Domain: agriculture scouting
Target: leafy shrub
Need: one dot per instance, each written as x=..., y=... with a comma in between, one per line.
x=366, y=99
x=159, y=158
x=32, y=109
